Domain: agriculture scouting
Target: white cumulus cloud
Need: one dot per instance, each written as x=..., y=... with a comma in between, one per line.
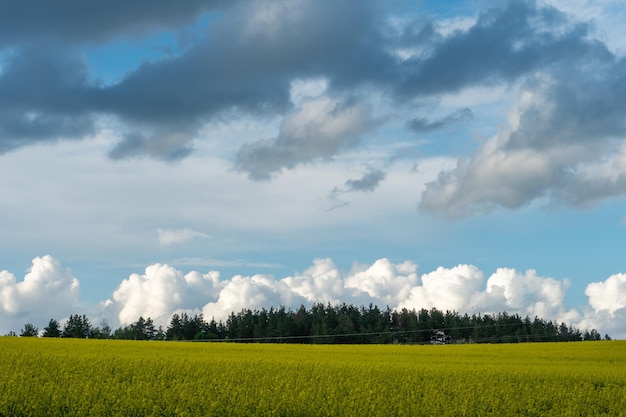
x=50, y=291
x=387, y=283
x=158, y=293
x=47, y=291
x=607, y=300
x=447, y=289
x=529, y=294
x=163, y=290
x=608, y=295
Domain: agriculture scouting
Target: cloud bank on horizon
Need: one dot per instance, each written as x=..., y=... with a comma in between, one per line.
x=49, y=290
x=225, y=60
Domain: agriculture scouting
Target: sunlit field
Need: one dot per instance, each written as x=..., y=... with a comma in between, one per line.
x=74, y=377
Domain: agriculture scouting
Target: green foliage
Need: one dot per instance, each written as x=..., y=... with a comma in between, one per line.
x=29, y=330
x=78, y=327
x=53, y=329
x=336, y=324
x=592, y=335
x=142, y=329
x=183, y=327
x=347, y=324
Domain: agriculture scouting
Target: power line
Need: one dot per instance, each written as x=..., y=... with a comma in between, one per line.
x=493, y=338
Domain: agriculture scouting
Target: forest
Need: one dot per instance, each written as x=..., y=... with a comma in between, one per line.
x=330, y=324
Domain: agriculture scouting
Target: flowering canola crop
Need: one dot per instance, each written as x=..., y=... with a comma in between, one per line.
x=73, y=377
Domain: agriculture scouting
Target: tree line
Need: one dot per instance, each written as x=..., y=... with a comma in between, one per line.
x=339, y=324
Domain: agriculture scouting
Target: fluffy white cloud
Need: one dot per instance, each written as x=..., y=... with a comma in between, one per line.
x=158, y=293
x=384, y=282
x=254, y=292
x=47, y=291
x=447, y=289
x=607, y=301
x=529, y=294
x=608, y=295
x=320, y=282
x=164, y=290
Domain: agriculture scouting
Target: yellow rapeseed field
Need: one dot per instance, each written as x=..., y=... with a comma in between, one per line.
x=71, y=377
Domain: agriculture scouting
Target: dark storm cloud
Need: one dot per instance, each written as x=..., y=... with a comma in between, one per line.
x=41, y=77
x=249, y=58
x=43, y=96
x=245, y=64
x=501, y=46
x=193, y=88
x=423, y=125
x=77, y=21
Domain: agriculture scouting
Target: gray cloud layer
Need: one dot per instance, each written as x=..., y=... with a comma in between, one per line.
x=245, y=58
x=77, y=21
x=568, y=145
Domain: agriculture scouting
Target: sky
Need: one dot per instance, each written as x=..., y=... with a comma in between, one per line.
x=210, y=156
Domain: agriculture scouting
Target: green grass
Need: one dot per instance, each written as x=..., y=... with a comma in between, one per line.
x=61, y=377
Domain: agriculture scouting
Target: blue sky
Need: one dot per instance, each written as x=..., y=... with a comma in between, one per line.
x=218, y=155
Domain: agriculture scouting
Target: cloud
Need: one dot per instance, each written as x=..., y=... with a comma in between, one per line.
x=165, y=145
x=447, y=289
x=244, y=64
x=77, y=21
x=608, y=295
x=159, y=292
x=177, y=236
x=607, y=300
x=321, y=281
x=50, y=291
x=566, y=143
x=319, y=129
x=300, y=60
x=47, y=291
x=368, y=182
x=306, y=89
x=422, y=125
x=246, y=60
x=255, y=292
x=387, y=283
x=503, y=44
x=42, y=94
x=530, y=294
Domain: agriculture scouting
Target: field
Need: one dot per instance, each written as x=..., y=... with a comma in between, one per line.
x=72, y=377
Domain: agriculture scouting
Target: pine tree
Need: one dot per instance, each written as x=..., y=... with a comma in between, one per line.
x=53, y=329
